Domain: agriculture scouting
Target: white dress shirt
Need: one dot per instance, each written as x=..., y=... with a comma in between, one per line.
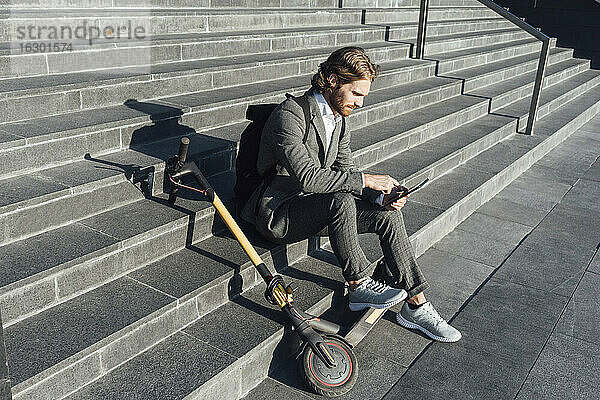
x=330, y=120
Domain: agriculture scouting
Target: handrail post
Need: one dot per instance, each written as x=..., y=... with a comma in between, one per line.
x=539, y=79
x=537, y=88
x=420, y=52
x=5, y=386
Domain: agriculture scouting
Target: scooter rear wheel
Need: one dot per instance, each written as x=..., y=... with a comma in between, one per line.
x=330, y=382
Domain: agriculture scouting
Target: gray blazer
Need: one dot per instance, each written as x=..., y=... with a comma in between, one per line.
x=302, y=168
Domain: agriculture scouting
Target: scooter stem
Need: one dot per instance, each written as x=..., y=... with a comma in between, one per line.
x=277, y=292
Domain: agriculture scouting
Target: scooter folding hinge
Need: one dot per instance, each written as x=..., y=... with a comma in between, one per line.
x=276, y=293
x=291, y=288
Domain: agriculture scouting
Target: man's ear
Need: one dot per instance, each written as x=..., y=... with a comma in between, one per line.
x=332, y=79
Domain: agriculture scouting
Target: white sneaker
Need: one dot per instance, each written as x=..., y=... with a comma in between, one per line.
x=427, y=320
x=370, y=293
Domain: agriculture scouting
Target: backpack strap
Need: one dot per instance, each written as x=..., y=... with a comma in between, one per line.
x=302, y=102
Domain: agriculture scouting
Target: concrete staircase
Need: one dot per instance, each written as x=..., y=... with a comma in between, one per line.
x=110, y=292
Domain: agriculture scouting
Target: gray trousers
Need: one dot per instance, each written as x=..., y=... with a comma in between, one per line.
x=341, y=216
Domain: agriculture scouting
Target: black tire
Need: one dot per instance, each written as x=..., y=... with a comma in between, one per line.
x=330, y=382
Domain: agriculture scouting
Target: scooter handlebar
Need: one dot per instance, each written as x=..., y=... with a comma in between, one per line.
x=176, y=164
x=183, y=148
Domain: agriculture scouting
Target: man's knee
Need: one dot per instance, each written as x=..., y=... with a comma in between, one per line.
x=390, y=220
x=342, y=201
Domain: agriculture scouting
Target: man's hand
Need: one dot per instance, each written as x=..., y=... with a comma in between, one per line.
x=398, y=204
x=383, y=183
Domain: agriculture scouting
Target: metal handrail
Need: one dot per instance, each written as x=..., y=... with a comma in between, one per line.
x=541, y=70
x=423, y=13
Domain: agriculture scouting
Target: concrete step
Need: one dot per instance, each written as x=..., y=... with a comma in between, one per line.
x=85, y=254
x=97, y=89
x=442, y=153
x=199, y=112
x=171, y=4
x=141, y=22
x=553, y=97
x=152, y=53
x=511, y=80
x=159, y=49
x=407, y=130
x=450, y=198
x=209, y=273
x=386, y=16
x=461, y=41
x=451, y=205
x=461, y=143
x=175, y=4
x=15, y=224
x=25, y=12
x=483, y=75
x=467, y=58
x=55, y=94
x=408, y=30
x=232, y=346
x=435, y=28
x=56, y=196
x=407, y=3
x=83, y=203
x=436, y=266
x=521, y=86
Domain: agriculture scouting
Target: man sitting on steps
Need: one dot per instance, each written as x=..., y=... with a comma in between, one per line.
x=317, y=191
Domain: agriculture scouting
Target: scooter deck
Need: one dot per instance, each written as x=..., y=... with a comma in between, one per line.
x=363, y=325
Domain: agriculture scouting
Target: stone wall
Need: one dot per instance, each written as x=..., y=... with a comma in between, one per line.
x=574, y=23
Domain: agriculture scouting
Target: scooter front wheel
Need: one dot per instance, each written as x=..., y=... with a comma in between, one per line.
x=330, y=382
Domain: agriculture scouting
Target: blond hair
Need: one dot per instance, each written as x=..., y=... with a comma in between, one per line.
x=349, y=64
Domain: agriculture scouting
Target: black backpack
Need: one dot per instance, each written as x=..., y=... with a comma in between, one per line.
x=247, y=177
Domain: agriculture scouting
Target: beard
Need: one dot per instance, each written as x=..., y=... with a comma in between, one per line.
x=338, y=105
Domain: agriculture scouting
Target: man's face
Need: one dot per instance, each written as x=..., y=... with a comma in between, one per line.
x=347, y=96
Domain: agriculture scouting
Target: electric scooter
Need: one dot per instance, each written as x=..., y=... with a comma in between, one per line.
x=329, y=365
